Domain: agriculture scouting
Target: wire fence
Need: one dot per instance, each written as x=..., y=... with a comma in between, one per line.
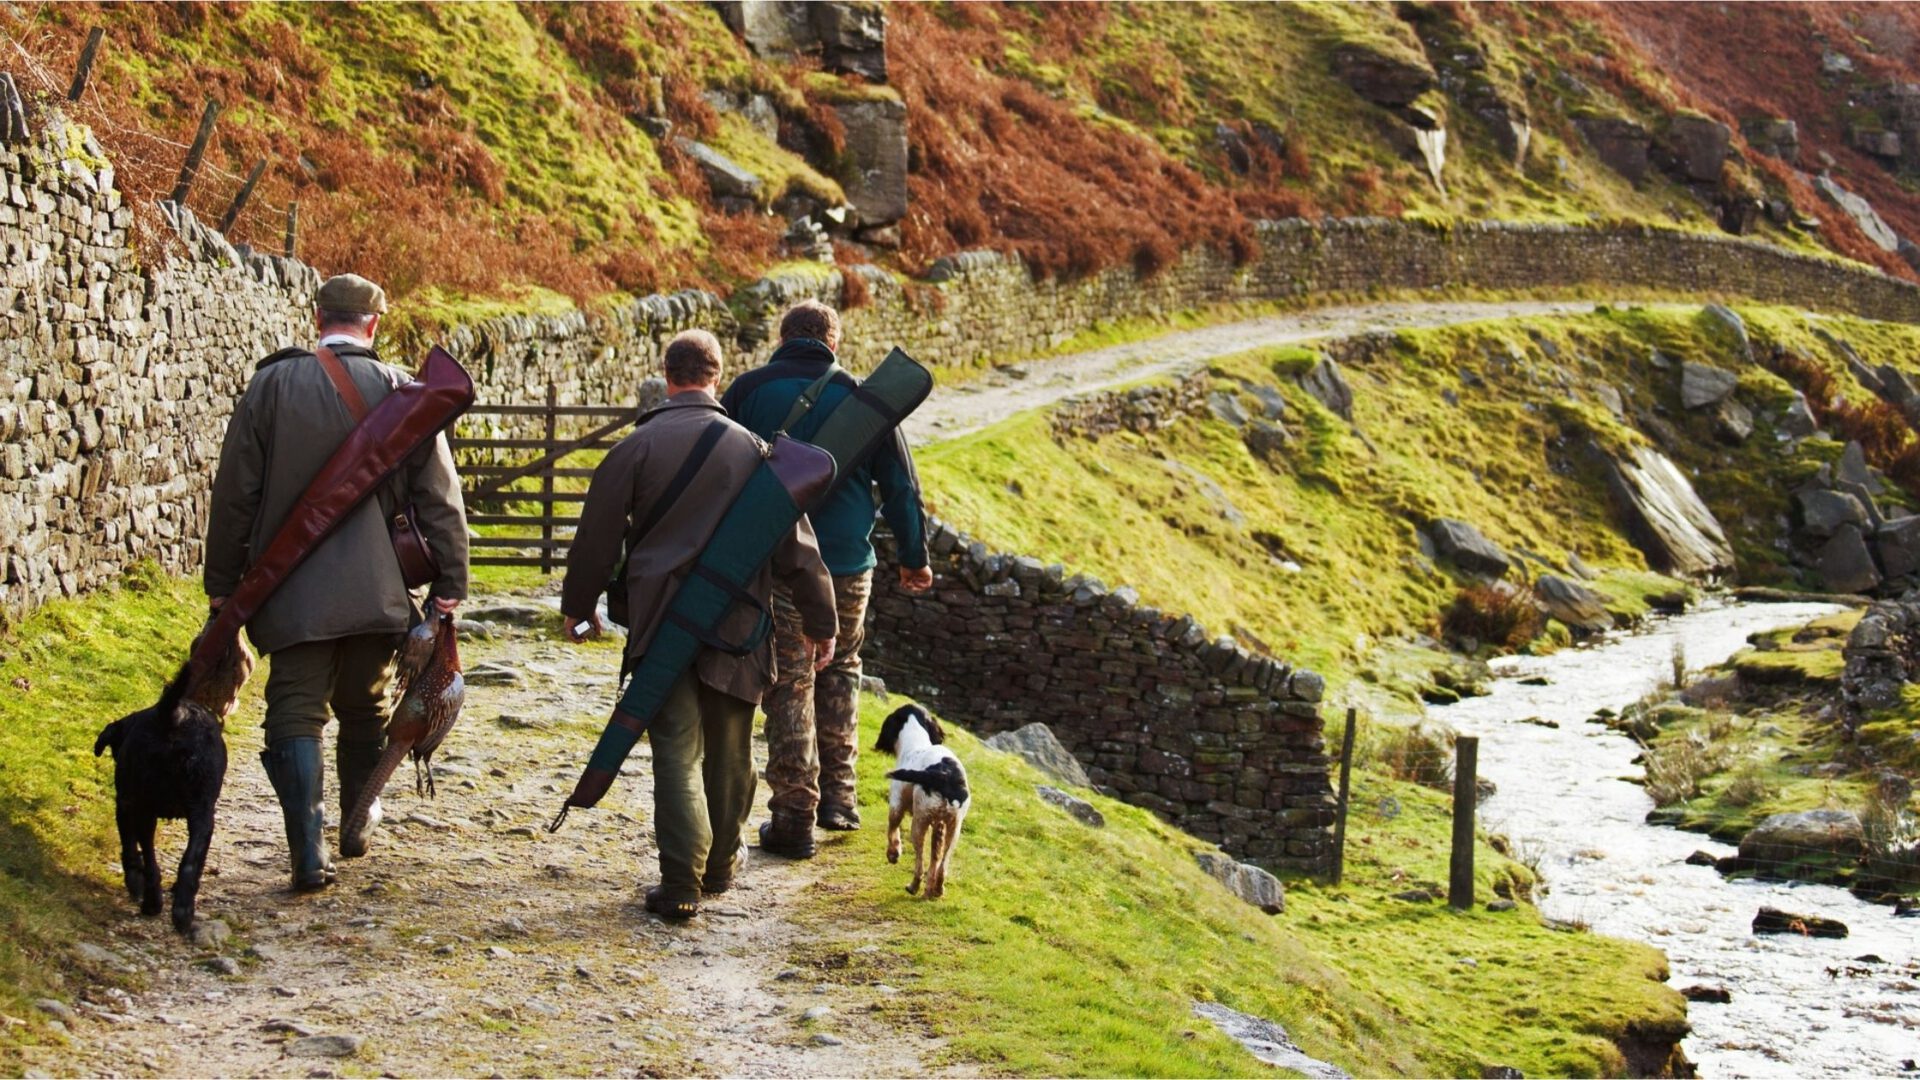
x=48, y=64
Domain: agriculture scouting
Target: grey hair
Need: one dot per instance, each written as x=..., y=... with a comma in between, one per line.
x=349, y=322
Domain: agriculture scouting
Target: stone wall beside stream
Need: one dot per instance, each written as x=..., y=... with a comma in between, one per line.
x=1222, y=742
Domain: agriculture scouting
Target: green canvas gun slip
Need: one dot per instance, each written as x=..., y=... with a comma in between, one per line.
x=758, y=520
x=795, y=477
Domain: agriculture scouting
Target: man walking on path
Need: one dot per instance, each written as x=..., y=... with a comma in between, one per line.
x=812, y=737
x=658, y=496
x=330, y=630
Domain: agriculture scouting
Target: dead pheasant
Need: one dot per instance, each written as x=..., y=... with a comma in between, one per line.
x=219, y=691
x=429, y=705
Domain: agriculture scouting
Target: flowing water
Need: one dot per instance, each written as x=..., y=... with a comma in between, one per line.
x=1801, y=1006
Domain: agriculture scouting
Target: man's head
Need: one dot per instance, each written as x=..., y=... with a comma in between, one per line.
x=349, y=304
x=692, y=362
x=811, y=319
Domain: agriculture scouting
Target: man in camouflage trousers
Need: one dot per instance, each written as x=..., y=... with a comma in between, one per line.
x=812, y=736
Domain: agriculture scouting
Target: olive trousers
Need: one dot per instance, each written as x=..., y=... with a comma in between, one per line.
x=703, y=784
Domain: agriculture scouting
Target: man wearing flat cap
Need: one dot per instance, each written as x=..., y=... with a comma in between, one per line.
x=331, y=629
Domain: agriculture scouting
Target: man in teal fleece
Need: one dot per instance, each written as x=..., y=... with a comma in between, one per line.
x=812, y=741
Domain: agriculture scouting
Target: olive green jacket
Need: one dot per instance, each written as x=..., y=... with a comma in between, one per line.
x=283, y=430
x=629, y=480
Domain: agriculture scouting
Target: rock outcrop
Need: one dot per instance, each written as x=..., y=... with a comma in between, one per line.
x=1665, y=517
x=1781, y=839
x=1249, y=883
x=1694, y=148
x=1861, y=211
x=1578, y=607
x=1621, y=142
x=1383, y=76
x=1465, y=547
x=876, y=157
x=1329, y=387
x=1036, y=744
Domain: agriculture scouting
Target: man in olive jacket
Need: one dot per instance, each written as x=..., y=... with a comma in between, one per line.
x=331, y=629
x=703, y=778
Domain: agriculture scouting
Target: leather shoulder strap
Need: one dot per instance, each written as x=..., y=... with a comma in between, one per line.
x=342, y=383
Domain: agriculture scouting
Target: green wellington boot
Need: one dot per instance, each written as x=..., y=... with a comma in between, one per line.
x=297, y=772
x=356, y=761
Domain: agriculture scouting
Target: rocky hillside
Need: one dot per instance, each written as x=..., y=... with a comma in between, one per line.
x=547, y=154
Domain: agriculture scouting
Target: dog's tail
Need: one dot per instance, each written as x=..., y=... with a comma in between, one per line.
x=171, y=697
x=944, y=778
x=110, y=736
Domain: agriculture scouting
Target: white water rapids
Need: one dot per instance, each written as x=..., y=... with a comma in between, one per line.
x=1801, y=1006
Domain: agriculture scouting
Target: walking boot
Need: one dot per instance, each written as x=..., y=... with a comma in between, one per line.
x=297, y=772
x=789, y=836
x=838, y=818
x=356, y=761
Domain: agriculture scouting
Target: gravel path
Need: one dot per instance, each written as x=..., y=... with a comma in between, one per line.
x=959, y=410
x=472, y=942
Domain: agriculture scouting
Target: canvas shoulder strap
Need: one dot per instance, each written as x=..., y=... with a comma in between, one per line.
x=809, y=397
x=681, y=480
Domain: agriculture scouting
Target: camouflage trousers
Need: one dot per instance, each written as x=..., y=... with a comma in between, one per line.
x=813, y=739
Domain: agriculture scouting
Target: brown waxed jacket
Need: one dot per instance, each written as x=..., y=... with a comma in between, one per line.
x=283, y=430
x=634, y=474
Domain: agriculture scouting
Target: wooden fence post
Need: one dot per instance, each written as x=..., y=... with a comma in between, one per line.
x=85, y=68
x=1466, y=761
x=1340, y=813
x=199, y=149
x=293, y=224
x=240, y=200
x=546, y=488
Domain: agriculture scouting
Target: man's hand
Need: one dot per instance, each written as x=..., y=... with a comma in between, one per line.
x=916, y=580
x=214, y=602
x=822, y=651
x=444, y=606
x=573, y=631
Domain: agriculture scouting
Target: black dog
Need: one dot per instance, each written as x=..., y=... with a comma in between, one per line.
x=168, y=762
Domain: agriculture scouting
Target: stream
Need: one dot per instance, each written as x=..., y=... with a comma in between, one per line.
x=1561, y=797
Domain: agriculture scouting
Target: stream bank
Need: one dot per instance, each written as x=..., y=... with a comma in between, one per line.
x=1798, y=1005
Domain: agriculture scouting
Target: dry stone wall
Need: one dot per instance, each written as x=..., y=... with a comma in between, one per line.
x=116, y=378
x=1222, y=742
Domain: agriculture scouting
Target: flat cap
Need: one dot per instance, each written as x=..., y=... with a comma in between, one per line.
x=351, y=292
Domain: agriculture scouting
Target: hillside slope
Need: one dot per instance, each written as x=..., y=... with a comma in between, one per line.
x=538, y=153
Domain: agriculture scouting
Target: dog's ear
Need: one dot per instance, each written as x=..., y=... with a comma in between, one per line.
x=110, y=736
x=933, y=728
x=890, y=729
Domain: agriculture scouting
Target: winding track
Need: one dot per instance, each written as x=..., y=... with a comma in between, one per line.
x=959, y=410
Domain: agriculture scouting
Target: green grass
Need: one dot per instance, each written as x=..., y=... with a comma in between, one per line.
x=67, y=671
x=1200, y=524
x=1064, y=950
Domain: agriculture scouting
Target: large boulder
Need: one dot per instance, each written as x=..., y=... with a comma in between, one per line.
x=1575, y=605
x=1249, y=883
x=1665, y=517
x=1784, y=838
x=1695, y=147
x=1898, y=542
x=1771, y=920
x=1702, y=385
x=1329, y=387
x=1822, y=512
x=1732, y=422
x=1775, y=136
x=1861, y=211
x=1465, y=547
x=776, y=28
x=853, y=37
x=726, y=177
x=1853, y=462
x=876, y=156
x=1621, y=143
x=1846, y=566
x=1390, y=77
x=1037, y=745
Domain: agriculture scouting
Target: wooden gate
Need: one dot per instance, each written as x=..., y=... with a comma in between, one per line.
x=502, y=477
